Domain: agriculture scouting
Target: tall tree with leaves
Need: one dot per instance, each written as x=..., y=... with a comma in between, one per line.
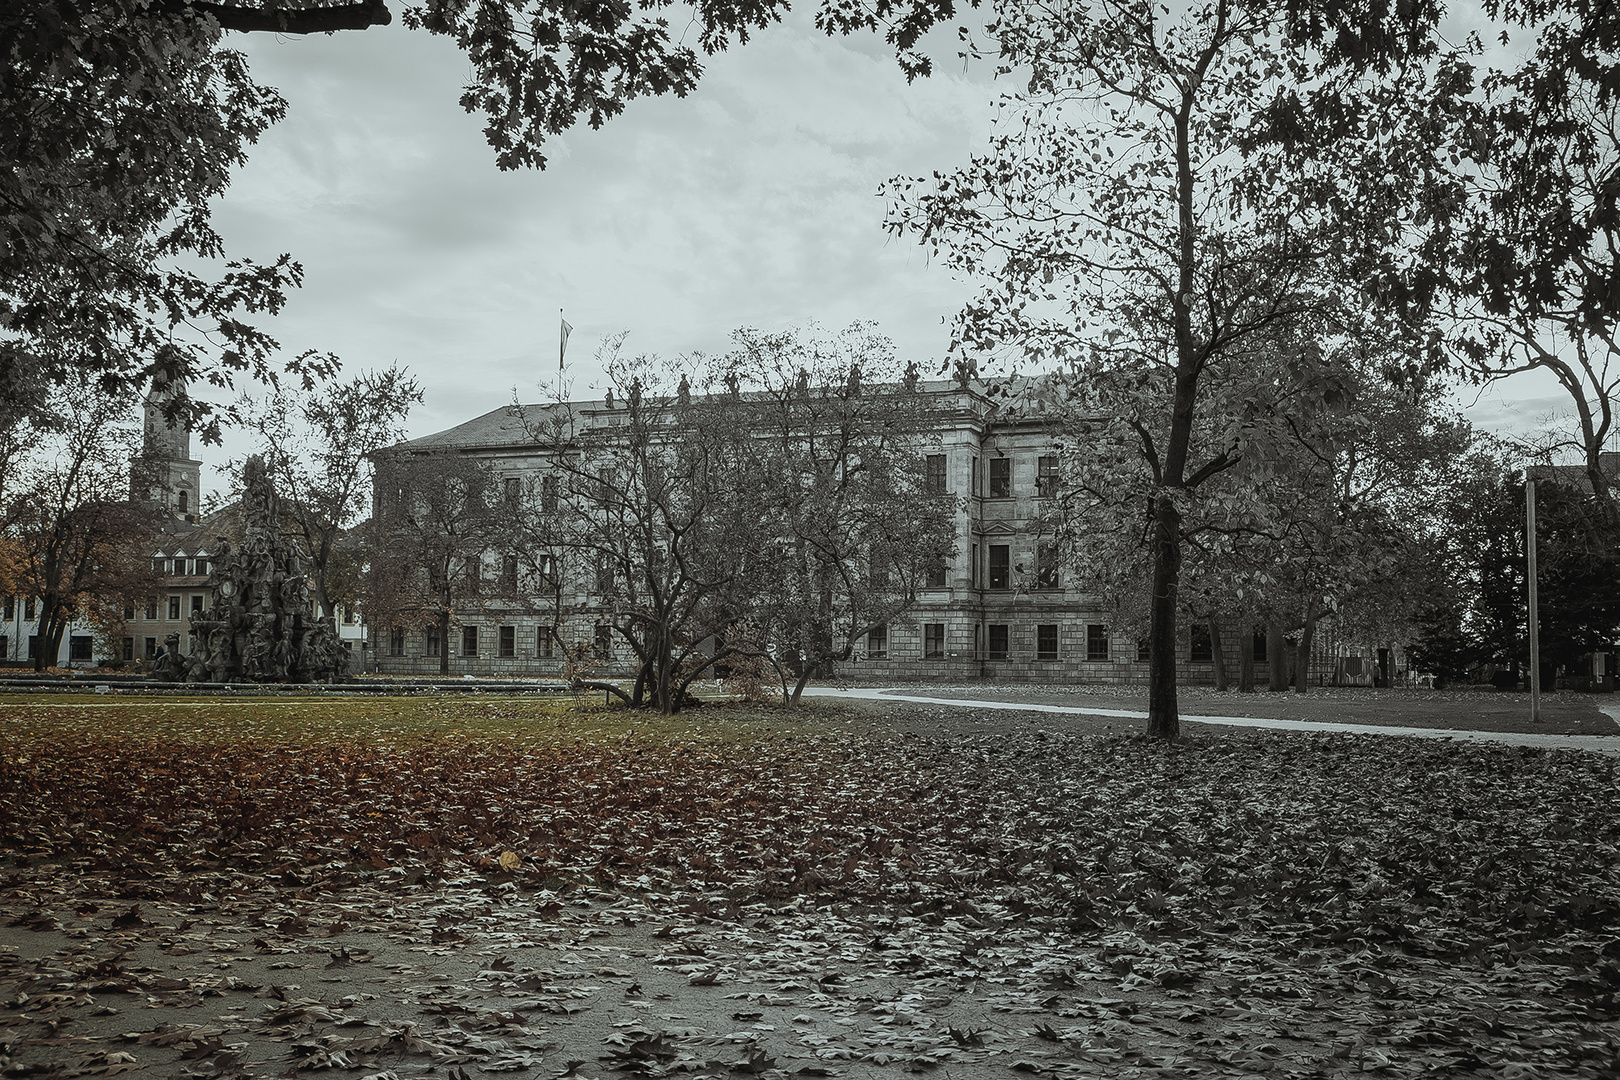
x=120, y=122
x=1532, y=263
x=1473, y=617
x=1145, y=214
x=319, y=449
x=73, y=537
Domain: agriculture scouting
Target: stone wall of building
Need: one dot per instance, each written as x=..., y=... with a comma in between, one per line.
x=1003, y=470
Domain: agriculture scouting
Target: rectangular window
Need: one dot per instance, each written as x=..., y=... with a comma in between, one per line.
x=160, y=567
x=1046, y=566
x=1001, y=478
x=11, y=607
x=605, y=488
x=79, y=647
x=128, y=650
x=174, y=609
x=934, y=641
x=196, y=603
x=509, y=575
x=433, y=643
x=151, y=609
x=396, y=641
x=1096, y=642
x=542, y=642
x=151, y=647
x=1202, y=650
x=1260, y=645
x=548, y=569
x=1046, y=641
x=469, y=641
x=877, y=571
x=978, y=639
x=934, y=474
x=974, y=483
x=33, y=645
x=604, y=642
x=934, y=574
x=877, y=642
x=1144, y=651
x=204, y=567
x=1000, y=566
x=973, y=568
x=604, y=574
x=28, y=608
x=348, y=615
x=472, y=572
x=508, y=642
x=998, y=641
x=550, y=493
x=129, y=612
x=1046, y=476
x=512, y=487
x=5, y=645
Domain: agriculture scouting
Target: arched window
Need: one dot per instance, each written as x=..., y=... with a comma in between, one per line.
x=183, y=494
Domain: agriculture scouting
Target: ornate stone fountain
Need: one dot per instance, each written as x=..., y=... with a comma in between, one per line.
x=259, y=625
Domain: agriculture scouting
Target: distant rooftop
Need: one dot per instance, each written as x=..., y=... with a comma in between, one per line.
x=499, y=429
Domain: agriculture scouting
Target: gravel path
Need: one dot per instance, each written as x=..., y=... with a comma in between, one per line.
x=1608, y=744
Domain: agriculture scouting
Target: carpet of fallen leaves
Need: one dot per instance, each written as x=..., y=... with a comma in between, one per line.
x=1252, y=904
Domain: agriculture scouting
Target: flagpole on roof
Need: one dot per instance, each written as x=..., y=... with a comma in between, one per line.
x=562, y=342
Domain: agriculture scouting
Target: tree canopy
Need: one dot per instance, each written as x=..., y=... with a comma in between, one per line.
x=120, y=120
x=1183, y=209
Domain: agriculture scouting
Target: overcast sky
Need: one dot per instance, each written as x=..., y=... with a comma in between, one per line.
x=753, y=202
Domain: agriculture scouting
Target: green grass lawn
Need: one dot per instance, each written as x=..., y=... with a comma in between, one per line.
x=401, y=721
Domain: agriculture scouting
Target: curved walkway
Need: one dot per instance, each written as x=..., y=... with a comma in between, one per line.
x=1603, y=744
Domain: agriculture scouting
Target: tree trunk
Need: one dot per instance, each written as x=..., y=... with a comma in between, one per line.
x=323, y=605
x=51, y=647
x=43, y=656
x=1217, y=654
x=444, y=642
x=798, y=687
x=1302, y=663
x=1246, y=661
x=1276, y=657
x=289, y=20
x=1164, y=719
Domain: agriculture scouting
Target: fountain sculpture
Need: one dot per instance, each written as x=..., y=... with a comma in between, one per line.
x=259, y=625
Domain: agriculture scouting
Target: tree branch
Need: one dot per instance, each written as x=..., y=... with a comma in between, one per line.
x=287, y=20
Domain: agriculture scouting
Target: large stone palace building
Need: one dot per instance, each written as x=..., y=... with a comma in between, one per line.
x=1003, y=607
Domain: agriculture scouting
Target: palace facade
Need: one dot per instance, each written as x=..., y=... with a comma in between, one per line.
x=1002, y=608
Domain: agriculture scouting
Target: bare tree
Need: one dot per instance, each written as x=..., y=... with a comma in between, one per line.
x=319, y=448
x=838, y=436
x=437, y=514
x=647, y=500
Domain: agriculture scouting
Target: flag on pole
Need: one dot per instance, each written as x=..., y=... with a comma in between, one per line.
x=562, y=346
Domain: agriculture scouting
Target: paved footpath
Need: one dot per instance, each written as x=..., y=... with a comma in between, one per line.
x=1603, y=744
